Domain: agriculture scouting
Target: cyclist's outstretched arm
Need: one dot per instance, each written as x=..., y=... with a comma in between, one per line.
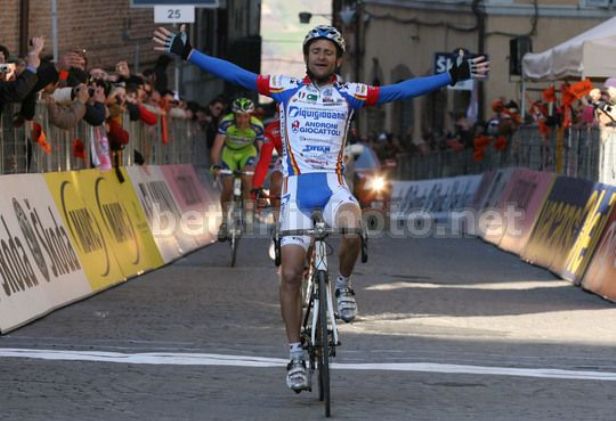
x=462, y=69
x=225, y=70
x=179, y=45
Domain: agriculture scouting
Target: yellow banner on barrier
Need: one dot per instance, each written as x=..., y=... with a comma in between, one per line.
x=136, y=249
x=87, y=233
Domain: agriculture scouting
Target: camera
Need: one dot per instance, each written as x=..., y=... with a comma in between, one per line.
x=101, y=83
x=63, y=96
x=7, y=67
x=603, y=106
x=607, y=109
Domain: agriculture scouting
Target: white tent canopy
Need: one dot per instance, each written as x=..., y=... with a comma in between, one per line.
x=590, y=54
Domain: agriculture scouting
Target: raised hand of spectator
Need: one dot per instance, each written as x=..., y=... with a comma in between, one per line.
x=122, y=69
x=34, y=54
x=81, y=93
x=68, y=60
x=99, y=94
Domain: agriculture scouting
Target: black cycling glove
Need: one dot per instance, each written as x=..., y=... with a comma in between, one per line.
x=467, y=68
x=178, y=44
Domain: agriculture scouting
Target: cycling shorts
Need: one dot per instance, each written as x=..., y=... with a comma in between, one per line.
x=302, y=194
x=238, y=159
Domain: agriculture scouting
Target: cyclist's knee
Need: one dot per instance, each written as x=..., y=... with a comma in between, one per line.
x=292, y=275
x=348, y=216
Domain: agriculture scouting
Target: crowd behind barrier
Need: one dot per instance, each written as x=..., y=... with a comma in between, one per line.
x=570, y=131
x=588, y=153
x=24, y=150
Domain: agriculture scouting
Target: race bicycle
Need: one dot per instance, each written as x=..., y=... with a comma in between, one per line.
x=319, y=332
x=235, y=212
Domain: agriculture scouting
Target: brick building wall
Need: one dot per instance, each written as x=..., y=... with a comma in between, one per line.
x=97, y=26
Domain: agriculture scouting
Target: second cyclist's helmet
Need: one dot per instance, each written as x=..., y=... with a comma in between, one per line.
x=242, y=106
x=325, y=32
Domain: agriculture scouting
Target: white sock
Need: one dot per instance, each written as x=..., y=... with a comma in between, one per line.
x=296, y=351
x=343, y=282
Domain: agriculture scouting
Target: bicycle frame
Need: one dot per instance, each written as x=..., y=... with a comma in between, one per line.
x=319, y=328
x=235, y=211
x=320, y=265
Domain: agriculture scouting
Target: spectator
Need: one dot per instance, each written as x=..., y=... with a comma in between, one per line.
x=65, y=112
x=210, y=119
x=4, y=54
x=17, y=90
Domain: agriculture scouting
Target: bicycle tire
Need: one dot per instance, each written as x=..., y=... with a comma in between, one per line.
x=323, y=360
x=234, y=232
x=233, y=241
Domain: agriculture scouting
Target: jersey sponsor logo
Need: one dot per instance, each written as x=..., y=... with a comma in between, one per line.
x=316, y=127
x=317, y=148
x=314, y=114
x=295, y=126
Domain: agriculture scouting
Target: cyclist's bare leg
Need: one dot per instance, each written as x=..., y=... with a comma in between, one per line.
x=226, y=194
x=348, y=216
x=293, y=257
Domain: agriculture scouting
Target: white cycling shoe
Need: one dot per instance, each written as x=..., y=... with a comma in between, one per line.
x=298, y=376
x=347, y=306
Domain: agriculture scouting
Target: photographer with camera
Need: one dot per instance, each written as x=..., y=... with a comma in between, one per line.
x=17, y=90
x=67, y=106
x=96, y=112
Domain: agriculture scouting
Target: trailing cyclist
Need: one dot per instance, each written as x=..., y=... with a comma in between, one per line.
x=235, y=148
x=273, y=141
x=315, y=113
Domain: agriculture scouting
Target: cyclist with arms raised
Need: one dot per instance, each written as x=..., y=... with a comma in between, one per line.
x=235, y=148
x=315, y=113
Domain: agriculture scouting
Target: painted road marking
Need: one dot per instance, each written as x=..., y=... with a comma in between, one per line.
x=199, y=359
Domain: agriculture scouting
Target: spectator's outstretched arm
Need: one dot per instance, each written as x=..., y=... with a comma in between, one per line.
x=179, y=45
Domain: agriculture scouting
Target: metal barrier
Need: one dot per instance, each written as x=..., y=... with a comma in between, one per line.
x=23, y=150
x=588, y=153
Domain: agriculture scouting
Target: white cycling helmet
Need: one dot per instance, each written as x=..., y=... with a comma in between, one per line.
x=325, y=32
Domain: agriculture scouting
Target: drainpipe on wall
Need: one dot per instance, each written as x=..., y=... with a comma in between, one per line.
x=480, y=15
x=24, y=28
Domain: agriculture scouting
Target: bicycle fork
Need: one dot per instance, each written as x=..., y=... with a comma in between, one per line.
x=321, y=265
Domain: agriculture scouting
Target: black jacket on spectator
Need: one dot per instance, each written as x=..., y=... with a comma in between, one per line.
x=47, y=74
x=18, y=90
x=133, y=111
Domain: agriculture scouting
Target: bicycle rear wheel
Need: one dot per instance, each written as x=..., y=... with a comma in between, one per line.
x=323, y=357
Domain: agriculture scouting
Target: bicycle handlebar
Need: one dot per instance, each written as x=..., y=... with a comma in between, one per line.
x=235, y=172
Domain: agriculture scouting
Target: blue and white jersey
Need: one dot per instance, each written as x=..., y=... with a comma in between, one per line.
x=314, y=120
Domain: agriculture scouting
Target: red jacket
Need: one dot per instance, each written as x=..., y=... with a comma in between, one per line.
x=272, y=140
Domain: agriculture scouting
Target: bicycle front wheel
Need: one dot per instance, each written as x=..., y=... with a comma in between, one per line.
x=323, y=358
x=235, y=229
